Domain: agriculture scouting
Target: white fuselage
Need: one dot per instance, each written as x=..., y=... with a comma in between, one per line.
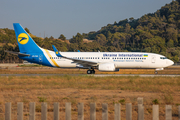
x=120, y=59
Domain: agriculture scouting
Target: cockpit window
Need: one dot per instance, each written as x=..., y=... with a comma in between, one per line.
x=163, y=58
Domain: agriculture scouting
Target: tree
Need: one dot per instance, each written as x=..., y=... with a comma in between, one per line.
x=170, y=43
x=178, y=1
x=100, y=38
x=131, y=19
x=51, y=38
x=27, y=30
x=127, y=28
x=77, y=39
x=62, y=37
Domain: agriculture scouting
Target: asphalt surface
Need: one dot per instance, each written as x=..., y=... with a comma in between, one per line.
x=95, y=75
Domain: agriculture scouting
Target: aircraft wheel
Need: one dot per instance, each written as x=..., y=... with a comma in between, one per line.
x=155, y=72
x=89, y=72
x=93, y=71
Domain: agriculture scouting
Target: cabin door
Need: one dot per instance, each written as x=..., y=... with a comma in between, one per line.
x=153, y=58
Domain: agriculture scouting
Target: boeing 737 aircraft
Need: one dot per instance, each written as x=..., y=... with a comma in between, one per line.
x=103, y=61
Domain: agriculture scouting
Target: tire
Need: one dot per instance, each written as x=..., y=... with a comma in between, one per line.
x=155, y=72
x=93, y=71
x=89, y=72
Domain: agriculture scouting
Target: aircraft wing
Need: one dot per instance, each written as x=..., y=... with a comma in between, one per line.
x=79, y=61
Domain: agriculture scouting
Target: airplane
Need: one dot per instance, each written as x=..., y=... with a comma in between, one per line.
x=102, y=61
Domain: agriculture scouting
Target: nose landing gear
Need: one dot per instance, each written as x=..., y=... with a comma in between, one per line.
x=91, y=71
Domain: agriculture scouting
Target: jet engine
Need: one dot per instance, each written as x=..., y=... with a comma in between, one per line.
x=107, y=67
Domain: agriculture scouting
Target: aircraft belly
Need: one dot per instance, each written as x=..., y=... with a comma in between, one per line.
x=127, y=64
x=63, y=63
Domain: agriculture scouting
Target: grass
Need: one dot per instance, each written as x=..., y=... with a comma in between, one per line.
x=42, y=99
x=87, y=89
x=138, y=84
x=30, y=65
x=38, y=69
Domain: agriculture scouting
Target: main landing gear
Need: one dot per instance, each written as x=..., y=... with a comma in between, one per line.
x=91, y=71
x=155, y=72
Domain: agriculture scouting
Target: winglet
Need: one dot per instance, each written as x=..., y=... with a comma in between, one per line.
x=56, y=51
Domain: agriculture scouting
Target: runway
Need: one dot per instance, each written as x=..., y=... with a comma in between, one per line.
x=95, y=75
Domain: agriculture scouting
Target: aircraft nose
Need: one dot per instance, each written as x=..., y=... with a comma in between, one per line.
x=169, y=62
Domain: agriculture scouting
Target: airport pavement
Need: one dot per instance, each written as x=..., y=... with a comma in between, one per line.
x=95, y=75
x=139, y=75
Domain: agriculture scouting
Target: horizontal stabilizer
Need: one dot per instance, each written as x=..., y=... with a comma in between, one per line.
x=17, y=53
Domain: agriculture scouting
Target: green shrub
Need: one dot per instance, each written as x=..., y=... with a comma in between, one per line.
x=155, y=101
x=42, y=99
x=122, y=101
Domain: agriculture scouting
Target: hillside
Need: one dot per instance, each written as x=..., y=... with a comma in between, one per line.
x=8, y=42
x=157, y=32
x=154, y=32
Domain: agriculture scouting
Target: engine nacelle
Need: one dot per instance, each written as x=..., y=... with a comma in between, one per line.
x=107, y=67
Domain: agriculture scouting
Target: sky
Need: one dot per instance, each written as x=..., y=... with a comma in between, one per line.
x=45, y=18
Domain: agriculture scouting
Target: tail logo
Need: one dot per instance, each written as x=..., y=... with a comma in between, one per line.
x=23, y=38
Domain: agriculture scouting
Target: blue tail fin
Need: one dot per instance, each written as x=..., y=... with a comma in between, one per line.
x=25, y=42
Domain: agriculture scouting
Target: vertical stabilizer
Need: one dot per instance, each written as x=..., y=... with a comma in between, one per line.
x=25, y=42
